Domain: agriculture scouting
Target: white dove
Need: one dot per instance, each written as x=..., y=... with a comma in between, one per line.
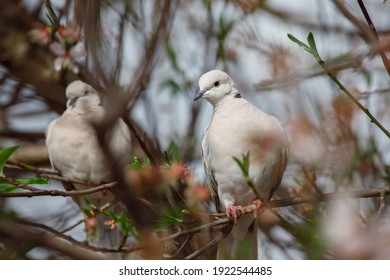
x=238, y=128
x=74, y=149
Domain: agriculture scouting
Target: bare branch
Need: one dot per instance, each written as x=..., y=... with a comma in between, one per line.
x=37, y=192
x=24, y=166
x=46, y=239
x=382, y=53
x=382, y=205
x=210, y=245
x=365, y=193
x=368, y=31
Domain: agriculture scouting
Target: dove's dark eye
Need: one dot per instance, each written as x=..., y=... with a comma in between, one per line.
x=217, y=83
x=86, y=92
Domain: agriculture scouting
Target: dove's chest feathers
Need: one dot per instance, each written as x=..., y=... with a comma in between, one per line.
x=238, y=128
x=82, y=158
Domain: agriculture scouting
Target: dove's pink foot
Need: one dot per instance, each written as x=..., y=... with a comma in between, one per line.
x=257, y=203
x=232, y=210
x=256, y=210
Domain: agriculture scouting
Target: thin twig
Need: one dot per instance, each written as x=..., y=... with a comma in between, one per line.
x=364, y=193
x=147, y=63
x=354, y=100
x=210, y=245
x=371, y=25
x=46, y=173
x=197, y=229
x=18, y=184
x=382, y=205
x=120, y=43
x=39, y=192
x=38, y=170
x=188, y=238
x=359, y=24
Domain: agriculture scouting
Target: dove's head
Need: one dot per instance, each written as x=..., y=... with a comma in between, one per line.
x=81, y=94
x=214, y=86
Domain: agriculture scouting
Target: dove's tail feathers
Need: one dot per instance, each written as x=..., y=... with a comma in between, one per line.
x=241, y=243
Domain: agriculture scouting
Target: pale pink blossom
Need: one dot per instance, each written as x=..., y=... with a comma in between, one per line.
x=68, y=59
x=41, y=35
x=110, y=223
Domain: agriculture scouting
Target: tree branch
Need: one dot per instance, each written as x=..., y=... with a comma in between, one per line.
x=46, y=239
x=38, y=170
x=329, y=197
x=37, y=192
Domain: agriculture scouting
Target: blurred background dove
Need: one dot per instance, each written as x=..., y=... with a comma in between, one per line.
x=75, y=152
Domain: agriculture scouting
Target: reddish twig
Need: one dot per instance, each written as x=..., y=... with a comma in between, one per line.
x=371, y=25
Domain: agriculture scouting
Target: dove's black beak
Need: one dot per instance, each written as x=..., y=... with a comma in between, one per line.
x=71, y=102
x=199, y=94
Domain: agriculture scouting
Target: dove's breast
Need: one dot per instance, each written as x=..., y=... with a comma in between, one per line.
x=239, y=130
x=75, y=152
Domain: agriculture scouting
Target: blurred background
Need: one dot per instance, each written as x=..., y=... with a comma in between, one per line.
x=153, y=53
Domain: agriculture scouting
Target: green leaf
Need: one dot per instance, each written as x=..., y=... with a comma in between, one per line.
x=166, y=222
x=4, y=156
x=367, y=75
x=88, y=212
x=243, y=164
x=173, y=153
x=312, y=42
x=171, y=220
x=300, y=43
x=136, y=163
x=311, y=48
x=308, y=234
x=33, y=181
x=123, y=222
x=127, y=225
x=172, y=85
x=111, y=215
x=51, y=15
x=6, y=187
x=171, y=55
x=133, y=229
x=225, y=28
x=297, y=181
x=146, y=161
x=91, y=207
